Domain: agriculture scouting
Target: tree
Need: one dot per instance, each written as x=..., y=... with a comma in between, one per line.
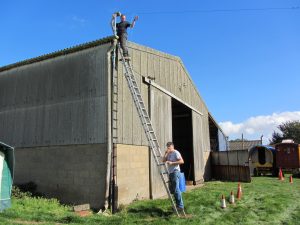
x=288, y=130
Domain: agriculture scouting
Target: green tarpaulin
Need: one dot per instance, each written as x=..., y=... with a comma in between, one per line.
x=6, y=175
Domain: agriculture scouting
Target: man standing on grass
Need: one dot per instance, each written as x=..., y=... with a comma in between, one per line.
x=173, y=159
x=122, y=31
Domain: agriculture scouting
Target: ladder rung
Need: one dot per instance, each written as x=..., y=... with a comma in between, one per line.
x=163, y=173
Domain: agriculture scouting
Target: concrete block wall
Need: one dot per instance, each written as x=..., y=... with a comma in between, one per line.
x=132, y=173
x=74, y=174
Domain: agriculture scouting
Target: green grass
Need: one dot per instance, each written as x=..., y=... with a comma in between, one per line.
x=265, y=201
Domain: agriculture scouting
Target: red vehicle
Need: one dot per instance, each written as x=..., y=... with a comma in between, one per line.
x=288, y=156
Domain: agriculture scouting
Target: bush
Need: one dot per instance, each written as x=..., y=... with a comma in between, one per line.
x=17, y=193
x=30, y=188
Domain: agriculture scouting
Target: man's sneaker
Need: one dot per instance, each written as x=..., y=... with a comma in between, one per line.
x=181, y=211
x=126, y=58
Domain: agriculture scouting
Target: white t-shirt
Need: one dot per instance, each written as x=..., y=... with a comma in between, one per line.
x=174, y=157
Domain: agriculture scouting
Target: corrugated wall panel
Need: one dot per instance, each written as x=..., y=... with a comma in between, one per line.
x=58, y=101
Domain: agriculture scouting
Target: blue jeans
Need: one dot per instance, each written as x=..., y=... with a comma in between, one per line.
x=174, y=179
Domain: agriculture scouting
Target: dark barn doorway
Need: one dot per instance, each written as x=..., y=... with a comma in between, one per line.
x=182, y=129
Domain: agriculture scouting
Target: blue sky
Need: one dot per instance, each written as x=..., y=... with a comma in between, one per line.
x=245, y=62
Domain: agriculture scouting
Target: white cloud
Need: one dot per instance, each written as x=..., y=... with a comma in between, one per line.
x=79, y=20
x=254, y=127
x=75, y=22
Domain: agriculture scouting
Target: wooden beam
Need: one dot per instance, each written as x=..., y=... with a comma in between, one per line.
x=151, y=82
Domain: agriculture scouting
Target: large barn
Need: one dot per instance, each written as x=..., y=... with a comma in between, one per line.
x=74, y=126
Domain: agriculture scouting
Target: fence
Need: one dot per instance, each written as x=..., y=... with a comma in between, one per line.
x=231, y=166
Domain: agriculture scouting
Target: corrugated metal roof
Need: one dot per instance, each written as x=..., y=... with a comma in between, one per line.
x=238, y=145
x=59, y=53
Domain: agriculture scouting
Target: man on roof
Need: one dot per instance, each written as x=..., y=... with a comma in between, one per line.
x=122, y=31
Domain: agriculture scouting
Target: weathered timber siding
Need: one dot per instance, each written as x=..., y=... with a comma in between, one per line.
x=198, y=146
x=75, y=174
x=58, y=101
x=168, y=72
x=231, y=165
x=161, y=116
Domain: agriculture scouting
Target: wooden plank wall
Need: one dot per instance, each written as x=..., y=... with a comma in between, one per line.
x=231, y=165
x=161, y=116
x=201, y=144
x=198, y=146
x=130, y=130
x=168, y=72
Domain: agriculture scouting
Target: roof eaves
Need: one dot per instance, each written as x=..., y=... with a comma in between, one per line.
x=215, y=122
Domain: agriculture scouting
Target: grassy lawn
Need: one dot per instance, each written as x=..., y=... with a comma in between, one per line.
x=265, y=201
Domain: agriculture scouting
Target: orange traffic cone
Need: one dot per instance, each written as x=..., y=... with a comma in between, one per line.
x=280, y=175
x=231, y=198
x=223, y=202
x=291, y=179
x=239, y=191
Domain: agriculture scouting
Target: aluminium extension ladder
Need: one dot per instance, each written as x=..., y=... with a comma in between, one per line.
x=147, y=125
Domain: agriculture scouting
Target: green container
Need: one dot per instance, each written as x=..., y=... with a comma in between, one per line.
x=6, y=175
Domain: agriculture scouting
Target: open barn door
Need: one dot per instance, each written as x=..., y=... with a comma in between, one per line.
x=183, y=137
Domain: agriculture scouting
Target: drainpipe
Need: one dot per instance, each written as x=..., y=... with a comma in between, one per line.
x=109, y=125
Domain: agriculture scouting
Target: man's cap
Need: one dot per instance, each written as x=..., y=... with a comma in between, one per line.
x=170, y=143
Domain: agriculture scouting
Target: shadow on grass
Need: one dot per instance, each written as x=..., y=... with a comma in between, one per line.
x=151, y=211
